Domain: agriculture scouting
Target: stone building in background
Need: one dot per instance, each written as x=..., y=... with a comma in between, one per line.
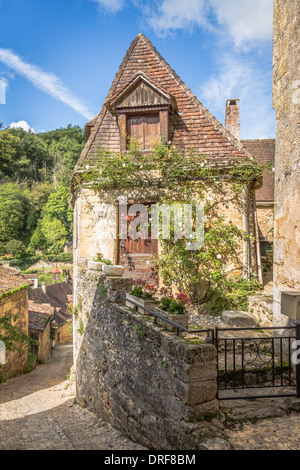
x=286, y=102
x=14, y=305
x=264, y=152
x=59, y=298
x=39, y=325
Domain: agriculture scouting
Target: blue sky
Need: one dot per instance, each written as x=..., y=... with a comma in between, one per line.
x=59, y=57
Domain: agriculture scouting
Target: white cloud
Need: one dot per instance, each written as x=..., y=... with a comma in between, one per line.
x=21, y=124
x=244, y=21
x=112, y=6
x=45, y=81
x=176, y=14
x=251, y=82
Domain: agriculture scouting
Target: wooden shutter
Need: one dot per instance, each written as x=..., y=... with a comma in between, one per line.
x=146, y=129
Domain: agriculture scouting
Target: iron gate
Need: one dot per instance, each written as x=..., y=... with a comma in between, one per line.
x=257, y=362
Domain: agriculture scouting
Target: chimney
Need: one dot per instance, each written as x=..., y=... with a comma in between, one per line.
x=232, y=117
x=44, y=287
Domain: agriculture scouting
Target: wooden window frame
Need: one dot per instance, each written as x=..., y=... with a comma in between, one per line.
x=124, y=113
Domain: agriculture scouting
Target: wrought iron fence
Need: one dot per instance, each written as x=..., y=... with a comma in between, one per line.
x=260, y=360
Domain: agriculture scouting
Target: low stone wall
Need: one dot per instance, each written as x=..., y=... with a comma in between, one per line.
x=261, y=308
x=152, y=385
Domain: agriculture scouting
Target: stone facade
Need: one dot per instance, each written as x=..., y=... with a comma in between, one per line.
x=63, y=334
x=286, y=102
x=45, y=344
x=16, y=361
x=152, y=385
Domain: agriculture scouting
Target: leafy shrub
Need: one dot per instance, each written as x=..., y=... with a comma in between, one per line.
x=145, y=293
x=231, y=293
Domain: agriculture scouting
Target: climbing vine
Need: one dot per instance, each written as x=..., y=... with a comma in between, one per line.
x=13, y=338
x=164, y=167
x=209, y=273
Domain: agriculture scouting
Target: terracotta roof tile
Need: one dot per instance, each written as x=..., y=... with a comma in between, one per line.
x=57, y=295
x=264, y=151
x=193, y=127
x=9, y=280
x=39, y=315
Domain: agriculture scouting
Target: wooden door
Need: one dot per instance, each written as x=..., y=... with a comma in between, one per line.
x=137, y=255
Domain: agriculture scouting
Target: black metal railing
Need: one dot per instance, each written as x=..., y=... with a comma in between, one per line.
x=257, y=361
x=253, y=362
x=210, y=338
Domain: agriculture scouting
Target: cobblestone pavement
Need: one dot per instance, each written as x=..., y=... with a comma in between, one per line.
x=275, y=434
x=37, y=411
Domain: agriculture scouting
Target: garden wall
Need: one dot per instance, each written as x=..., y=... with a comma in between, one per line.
x=155, y=387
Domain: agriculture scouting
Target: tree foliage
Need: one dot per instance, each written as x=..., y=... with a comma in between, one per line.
x=35, y=172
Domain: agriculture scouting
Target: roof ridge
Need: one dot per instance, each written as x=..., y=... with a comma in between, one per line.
x=216, y=124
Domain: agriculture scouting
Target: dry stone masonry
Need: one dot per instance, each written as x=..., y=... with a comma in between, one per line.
x=152, y=385
x=286, y=102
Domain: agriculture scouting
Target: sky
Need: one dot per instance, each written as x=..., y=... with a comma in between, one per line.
x=58, y=58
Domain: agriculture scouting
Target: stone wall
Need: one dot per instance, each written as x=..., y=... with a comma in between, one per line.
x=152, y=385
x=45, y=344
x=63, y=334
x=286, y=102
x=16, y=304
x=96, y=219
x=265, y=219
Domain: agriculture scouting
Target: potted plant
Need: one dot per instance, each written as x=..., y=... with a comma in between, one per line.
x=143, y=294
x=98, y=262
x=174, y=308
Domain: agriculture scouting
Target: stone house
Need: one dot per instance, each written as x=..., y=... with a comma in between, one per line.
x=39, y=326
x=14, y=302
x=264, y=151
x=148, y=101
x=58, y=297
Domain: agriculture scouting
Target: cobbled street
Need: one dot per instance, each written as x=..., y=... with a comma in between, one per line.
x=37, y=412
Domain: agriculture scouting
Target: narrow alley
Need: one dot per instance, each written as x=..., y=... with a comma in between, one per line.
x=37, y=412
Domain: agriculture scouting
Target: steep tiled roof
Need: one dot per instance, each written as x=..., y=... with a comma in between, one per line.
x=58, y=296
x=39, y=315
x=9, y=280
x=264, y=151
x=192, y=127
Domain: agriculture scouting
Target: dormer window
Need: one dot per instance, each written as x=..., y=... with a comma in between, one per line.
x=144, y=128
x=142, y=109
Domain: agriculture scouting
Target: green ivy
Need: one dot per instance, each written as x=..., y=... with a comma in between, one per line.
x=205, y=274
x=13, y=338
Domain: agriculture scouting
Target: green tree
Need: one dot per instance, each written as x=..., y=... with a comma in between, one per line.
x=9, y=148
x=33, y=161
x=58, y=207
x=15, y=248
x=55, y=233
x=38, y=239
x=12, y=212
